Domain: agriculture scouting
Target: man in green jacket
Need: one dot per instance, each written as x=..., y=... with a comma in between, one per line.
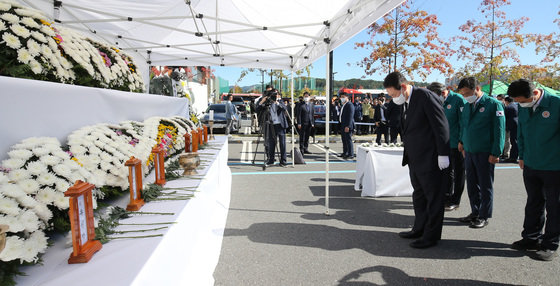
x=482, y=141
x=539, y=157
x=453, y=104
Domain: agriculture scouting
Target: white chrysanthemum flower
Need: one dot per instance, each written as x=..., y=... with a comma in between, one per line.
x=29, y=186
x=5, y=6
x=2, y=26
x=78, y=150
x=12, y=222
x=29, y=22
x=61, y=154
x=105, y=157
x=61, y=201
x=19, y=175
x=24, y=56
x=47, y=179
x=11, y=41
x=37, y=168
x=36, y=67
x=3, y=178
x=50, y=160
x=62, y=170
x=33, y=47
x=29, y=220
x=12, y=250
x=46, y=195
x=40, y=37
x=39, y=239
x=13, y=163
x=27, y=201
x=43, y=212
x=40, y=151
x=52, y=146
x=10, y=17
x=62, y=186
x=9, y=206
x=23, y=154
x=11, y=190
x=28, y=143
x=20, y=30
x=49, y=32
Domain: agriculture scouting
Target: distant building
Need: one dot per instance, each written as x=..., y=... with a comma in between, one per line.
x=300, y=83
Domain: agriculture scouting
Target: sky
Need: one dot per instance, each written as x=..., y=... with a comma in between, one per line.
x=451, y=14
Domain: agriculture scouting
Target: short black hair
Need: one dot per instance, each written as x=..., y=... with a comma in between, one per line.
x=436, y=87
x=469, y=82
x=306, y=93
x=521, y=87
x=268, y=86
x=509, y=99
x=394, y=80
x=342, y=93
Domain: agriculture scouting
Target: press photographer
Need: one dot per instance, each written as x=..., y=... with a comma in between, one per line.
x=274, y=123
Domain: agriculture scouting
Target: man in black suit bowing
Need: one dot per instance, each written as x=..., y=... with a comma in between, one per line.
x=346, y=126
x=426, y=151
x=305, y=123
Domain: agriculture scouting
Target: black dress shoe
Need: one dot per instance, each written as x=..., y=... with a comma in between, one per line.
x=526, y=244
x=410, y=234
x=307, y=152
x=479, y=223
x=469, y=218
x=451, y=207
x=420, y=243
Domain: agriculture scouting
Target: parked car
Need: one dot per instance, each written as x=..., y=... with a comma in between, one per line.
x=320, y=114
x=220, y=117
x=239, y=103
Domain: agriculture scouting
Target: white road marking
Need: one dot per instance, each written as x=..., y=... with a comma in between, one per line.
x=322, y=148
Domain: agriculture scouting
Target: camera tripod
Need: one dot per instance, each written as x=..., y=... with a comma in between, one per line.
x=266, y=129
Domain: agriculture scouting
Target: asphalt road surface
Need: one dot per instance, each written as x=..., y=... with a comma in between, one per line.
x=277, y=232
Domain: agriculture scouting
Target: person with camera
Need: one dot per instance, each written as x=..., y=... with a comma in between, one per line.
x=274, y=124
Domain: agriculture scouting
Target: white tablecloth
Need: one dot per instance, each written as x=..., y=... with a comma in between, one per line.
x=379, y=172
x=187, y=254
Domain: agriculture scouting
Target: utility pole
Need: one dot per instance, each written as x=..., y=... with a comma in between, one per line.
x=492, y=53
x=396, y=37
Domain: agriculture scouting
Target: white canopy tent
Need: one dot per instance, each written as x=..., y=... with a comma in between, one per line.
x=287, y=34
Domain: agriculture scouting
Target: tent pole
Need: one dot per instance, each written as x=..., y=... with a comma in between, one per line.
x=327, y=129
x=293, y=117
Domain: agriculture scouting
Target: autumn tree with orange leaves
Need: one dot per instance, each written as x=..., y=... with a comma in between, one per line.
x=487, y=43
x=407, y=40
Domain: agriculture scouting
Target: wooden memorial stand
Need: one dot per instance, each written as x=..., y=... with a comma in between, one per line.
x=200, y=136
x=81, y=222
x=158, y=164
x=205, y=134
x=135, y=182
x=194, y=140
x=187, y=142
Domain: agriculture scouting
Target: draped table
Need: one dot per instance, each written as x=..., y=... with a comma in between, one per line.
x=379, y=172
x=186, y=254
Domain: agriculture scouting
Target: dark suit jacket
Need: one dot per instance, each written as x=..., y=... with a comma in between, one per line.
x=305, y=114
x=393, y=114
x=511, y=111
x=347, y=116
x=377, y=113
x=281, y=110
x=425, y=131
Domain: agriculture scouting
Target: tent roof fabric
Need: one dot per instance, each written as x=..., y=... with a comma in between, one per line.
x=287, y=34
x=498, y=87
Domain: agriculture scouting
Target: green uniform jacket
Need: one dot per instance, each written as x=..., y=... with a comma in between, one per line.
x=484, y=126
x=539, y=134
x=453, y=107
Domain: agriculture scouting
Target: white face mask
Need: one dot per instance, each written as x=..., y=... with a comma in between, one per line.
x=400, y=100
x=471, y=99
x=528, y=104
x=306, y=99
x=441, y=98
x=343, y=99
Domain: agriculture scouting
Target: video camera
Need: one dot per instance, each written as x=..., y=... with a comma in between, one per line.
x=271, y=96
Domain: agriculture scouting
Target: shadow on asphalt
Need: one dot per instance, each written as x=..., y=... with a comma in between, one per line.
x=379, y=243
x=395, y=276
